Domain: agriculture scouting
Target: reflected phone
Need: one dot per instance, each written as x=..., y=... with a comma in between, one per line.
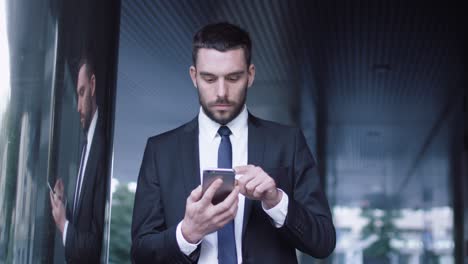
x=227, y=175
x=50, y=188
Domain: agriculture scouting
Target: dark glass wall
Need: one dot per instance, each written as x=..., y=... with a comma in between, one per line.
x=43, y=121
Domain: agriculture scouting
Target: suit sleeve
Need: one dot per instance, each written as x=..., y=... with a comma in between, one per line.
x=152, y=240
x=85, y=247
x=308, y=225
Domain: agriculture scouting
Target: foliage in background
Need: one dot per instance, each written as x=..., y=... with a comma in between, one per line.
x=381, y=223
x=381, y=210
x=120, y=228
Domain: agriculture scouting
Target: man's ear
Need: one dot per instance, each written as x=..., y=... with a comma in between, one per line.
x=193, y=75
x=92, y=82
x=251, y=73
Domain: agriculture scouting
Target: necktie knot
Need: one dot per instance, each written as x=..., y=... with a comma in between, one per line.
x=224, y=131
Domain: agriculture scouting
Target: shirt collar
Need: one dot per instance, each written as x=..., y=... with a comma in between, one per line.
x=92, y=127
x=209, y=128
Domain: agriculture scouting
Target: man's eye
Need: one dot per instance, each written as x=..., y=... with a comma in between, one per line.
x=233, y=78
x=210, y=80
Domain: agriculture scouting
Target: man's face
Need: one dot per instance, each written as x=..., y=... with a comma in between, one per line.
x=222, y=79
x=86, y=99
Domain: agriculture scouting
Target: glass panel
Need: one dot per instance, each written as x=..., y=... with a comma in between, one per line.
x=46, y=53
x=413, y=223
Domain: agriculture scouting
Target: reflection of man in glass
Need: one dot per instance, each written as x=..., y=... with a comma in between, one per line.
x=81, y=223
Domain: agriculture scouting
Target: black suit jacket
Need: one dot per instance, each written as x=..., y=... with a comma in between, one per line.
x=85, y=228
x=170, y=171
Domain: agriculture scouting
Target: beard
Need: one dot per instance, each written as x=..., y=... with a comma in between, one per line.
x=87, y=115
x=225, y=116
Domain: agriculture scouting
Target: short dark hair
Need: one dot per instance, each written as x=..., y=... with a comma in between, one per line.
x=222, y=37
x=87, y=58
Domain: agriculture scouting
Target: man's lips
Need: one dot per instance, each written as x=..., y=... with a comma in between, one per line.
x=222, y=106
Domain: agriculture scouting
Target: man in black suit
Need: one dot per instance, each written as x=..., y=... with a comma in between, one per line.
x=277, y=206
x=81, y=223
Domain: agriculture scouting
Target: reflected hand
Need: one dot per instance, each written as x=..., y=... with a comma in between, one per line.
x=202, y=217
x=256, y=184
x=59, y=189
x=58, y=207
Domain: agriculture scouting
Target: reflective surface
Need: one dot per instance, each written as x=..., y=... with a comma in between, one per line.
x=28, y=80
x=40, y=45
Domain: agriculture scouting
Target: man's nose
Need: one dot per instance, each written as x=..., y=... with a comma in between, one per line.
x=222, y=89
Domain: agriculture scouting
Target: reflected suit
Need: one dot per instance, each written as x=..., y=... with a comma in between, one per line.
x=84, y=234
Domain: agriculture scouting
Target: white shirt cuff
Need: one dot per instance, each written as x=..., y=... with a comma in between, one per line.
x=64, y=235
x=279, y=212
x=186, y=247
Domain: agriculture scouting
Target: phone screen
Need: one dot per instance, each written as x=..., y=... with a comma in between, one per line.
x=228, y=177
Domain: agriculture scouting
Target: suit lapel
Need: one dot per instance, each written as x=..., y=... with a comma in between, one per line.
x=256, y=147
x=89, y=171
x=188, y=145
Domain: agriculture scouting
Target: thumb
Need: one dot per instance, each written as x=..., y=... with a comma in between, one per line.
x=196, y=194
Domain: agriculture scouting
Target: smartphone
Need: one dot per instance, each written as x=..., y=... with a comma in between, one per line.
x=50, y=187
x=227, y=175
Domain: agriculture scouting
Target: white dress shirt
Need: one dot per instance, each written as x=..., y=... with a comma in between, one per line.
x=89, y=137
x=209, y=141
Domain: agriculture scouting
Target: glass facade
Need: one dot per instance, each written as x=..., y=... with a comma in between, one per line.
x=41, y=46
x=414, y=223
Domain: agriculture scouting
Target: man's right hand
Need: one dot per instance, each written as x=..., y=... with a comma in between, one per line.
x=202, y=217
x=58, y=207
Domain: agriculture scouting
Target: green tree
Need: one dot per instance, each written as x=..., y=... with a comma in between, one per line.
x=120, y=228
x=381, y=223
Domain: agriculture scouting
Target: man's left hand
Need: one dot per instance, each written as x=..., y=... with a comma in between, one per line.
x=256, y=184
